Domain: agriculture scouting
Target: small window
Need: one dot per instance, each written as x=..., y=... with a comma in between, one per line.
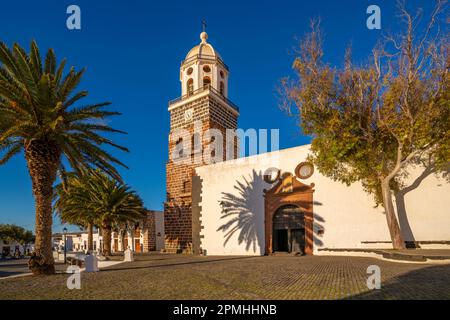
x=206, y=82
x=222, y=88
x=186, y=186
x=189, y=71
x=221, y=74
x=206, y=69
x=179, y=147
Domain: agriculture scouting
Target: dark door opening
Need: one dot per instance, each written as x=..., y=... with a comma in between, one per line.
x=289, y=230
x=281, y=242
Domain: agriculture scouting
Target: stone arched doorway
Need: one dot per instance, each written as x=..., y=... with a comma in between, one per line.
x=288, y=206
x=288, y=234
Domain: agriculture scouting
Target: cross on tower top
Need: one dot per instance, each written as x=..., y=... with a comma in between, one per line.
x=204, y=25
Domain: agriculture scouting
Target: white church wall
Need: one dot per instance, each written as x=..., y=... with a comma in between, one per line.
x=346, y=214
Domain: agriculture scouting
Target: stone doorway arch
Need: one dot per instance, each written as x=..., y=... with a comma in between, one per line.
x=289, y=193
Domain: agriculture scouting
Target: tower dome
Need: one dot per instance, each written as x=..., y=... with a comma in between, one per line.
x=203, y=68
x=204, y=49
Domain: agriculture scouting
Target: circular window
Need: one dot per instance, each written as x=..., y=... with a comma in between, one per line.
x=221, y=74
x=304, y=170
x=189, y=71
x=271, y=175
x=206, y=69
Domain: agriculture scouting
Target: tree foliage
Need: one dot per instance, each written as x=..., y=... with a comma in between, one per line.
x=38, y=102
x=14, y=233
x=97, y=199
x=369, y=122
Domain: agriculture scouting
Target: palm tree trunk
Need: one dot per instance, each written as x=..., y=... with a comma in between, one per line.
x=106, y=239
x=42, y=160
x=394, y=229
x=90, y=237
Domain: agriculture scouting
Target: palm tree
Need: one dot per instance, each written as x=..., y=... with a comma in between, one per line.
x=72, y=204
x=96, y=198
x=116, y=204
x=38, y=115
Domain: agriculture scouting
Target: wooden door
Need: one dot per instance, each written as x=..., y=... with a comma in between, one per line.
x=297, y=241
x=137, y=245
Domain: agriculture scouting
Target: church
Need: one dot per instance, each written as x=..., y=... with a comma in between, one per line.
x=276, y=201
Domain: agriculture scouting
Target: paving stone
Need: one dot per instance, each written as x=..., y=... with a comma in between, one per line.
x=166, y=276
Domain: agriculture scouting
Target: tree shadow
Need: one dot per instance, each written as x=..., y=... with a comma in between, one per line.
x=400, y=200
x=173, y=264
x=244, y=213
x=424, y=283
x=318, y=227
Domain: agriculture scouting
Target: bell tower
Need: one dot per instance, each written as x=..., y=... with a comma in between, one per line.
x=202, y=106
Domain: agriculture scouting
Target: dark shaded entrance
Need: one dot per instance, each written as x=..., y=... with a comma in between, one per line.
x=289, y=230
x=280, y=240
x=292, y=203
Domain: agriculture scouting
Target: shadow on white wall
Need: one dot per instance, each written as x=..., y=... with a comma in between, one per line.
x=243, y=213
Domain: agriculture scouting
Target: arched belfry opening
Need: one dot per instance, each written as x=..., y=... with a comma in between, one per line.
x=190, y=86
x=206, y=82
x=288, y=214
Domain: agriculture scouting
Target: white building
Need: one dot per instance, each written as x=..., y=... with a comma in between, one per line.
x=11, y=248
x=145, y=236
x=77, y=241
x=278, y=202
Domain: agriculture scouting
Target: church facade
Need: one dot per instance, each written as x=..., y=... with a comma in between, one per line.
x=276, y=201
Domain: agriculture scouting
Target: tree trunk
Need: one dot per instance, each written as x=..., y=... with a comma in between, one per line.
x=394, y=229
x=106, y=239
x=42, y=160
x=90, y=237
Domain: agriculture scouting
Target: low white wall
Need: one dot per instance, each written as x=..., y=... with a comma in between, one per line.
x=346, y=213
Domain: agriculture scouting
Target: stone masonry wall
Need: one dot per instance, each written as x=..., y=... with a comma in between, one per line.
x=178, y=205
x=149, y=230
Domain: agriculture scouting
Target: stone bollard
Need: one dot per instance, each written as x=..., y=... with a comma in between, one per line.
x=91, y=263
x=128, y=255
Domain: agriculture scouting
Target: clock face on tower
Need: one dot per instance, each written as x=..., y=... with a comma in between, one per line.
x=188, y=115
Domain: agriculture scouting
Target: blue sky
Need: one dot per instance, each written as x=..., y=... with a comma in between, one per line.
x=133, y=49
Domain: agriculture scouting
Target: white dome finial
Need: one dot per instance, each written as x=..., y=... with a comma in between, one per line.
x=203, y=36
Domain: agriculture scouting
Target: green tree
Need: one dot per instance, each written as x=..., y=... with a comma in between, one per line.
x=72, y=200
x=95, y=198
x=14, y=233
x=370, y=122
x=38, y=115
